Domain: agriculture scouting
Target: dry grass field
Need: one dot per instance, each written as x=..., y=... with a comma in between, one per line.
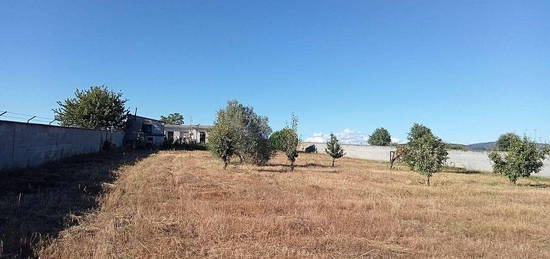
x=181, y=204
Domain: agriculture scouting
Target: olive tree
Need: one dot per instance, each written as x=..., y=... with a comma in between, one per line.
x=222, y=139
x=425, y=153
x=334, y=149
x=380, y=137
x=522, y=159
x=94, y=108
x=247, y=133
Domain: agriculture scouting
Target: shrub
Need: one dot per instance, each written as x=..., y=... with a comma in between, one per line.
x=522, y=159
x=380, y=137
x=424, y=153
x=334, y=149
x=222, y=139
x=311, y=149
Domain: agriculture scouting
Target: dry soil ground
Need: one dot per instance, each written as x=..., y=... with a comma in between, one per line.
x=182, y=204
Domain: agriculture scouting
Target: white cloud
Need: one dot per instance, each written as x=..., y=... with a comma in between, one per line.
x=347, y=136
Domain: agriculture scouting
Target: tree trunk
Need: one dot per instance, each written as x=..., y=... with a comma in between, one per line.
x=428, y=181
x=333, y=162
x=291, y=165
x=225, y=164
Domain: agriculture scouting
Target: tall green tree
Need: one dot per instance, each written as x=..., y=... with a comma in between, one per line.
x=94, y=108
x=173, y=118
x=504, y=142
x=334, y=149
x=521, y=159
x=380, y=137
x=425, y=153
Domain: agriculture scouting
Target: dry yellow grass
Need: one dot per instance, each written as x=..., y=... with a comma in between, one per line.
x=181, y=204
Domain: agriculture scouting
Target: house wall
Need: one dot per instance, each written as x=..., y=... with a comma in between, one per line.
x=135, y=124
x=25, y=144
x=470, y=160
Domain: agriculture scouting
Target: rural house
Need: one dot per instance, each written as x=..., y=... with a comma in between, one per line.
x=187, y=133
x=138, y=128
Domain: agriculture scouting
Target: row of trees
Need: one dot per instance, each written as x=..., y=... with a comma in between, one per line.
x=239, y=131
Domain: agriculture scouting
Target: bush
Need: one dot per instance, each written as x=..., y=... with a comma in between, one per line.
x=287, y=140
x=380, y=137
x=311, y=149
x=522, y=159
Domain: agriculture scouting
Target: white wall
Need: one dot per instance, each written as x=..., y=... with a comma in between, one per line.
x=470, y=160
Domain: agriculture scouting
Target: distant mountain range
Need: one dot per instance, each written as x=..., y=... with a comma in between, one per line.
x=491, y=145
x=482, y=146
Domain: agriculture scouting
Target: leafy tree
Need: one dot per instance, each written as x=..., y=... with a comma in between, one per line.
x=505, y=141
x=424, y=153
x=291, y=141
x=380, y=137
x=417, y=131
x=522, y=159
x=334, y=149
x=249, y=133
x=222, y=139
x=173, y=118
x=95, y=108
x=278, y=138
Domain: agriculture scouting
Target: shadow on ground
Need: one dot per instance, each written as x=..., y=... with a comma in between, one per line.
x=37, y=203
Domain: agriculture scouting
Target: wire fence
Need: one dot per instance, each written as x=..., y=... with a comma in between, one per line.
x=27, y=118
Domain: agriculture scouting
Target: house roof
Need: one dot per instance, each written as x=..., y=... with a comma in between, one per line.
x=186, y=127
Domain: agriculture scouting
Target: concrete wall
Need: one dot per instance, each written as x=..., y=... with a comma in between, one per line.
x=470, y=160
x=25, y=144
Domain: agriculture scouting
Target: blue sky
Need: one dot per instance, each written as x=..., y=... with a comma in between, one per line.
x=470, y=70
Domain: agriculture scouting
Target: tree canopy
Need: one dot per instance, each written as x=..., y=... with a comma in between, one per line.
x=94, y=108
x=504, y=142
x=380, y=137
x=173, y=118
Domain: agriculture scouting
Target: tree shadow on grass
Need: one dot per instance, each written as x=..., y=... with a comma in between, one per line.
x=37, y=203
x=298, y=165
x=535, y=185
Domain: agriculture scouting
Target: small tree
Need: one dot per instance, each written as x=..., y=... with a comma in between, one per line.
x=245, y=131
x=278, y=139
x=95, y=108
x=424, y=153
x=380, y=137
x=291, y=141
x=334, y=149
x=222, y=139
x=522, y=159
x=173, y=118
x=505, y=141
